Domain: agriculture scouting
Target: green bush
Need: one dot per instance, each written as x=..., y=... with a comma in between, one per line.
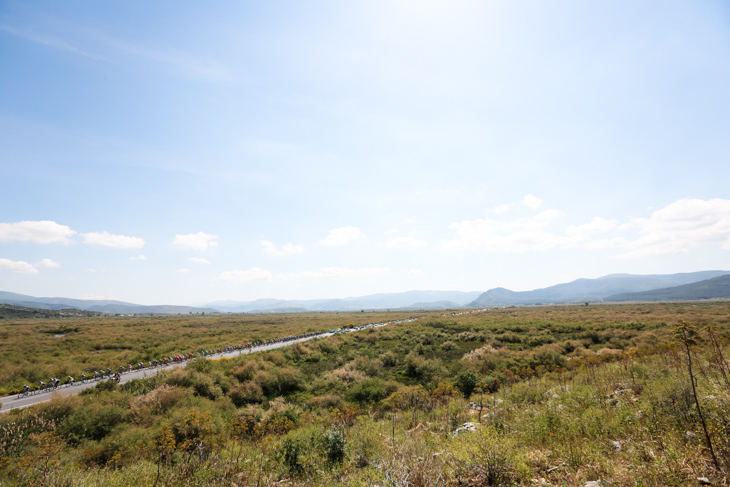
x=291, y=453
x=93, y=421
x=490, y=460
x=334, y=446
x=389, y=359
x=248, y=392
x=365, y=444
x=466, y=382
x=370, y=391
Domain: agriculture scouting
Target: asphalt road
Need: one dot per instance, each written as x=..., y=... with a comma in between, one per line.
x=13, y=402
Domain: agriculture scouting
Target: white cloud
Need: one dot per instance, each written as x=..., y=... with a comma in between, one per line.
x=115, y=241
x=416, y=272
x=608, y=243
x=502, y=209
x=336, y=273
x=48, y=263
x=19, y=267
x=195, y=241
x=596, y=226
x=500, y=236
x=341, y=236
x=678, y=228
x=183, y=271
x=405, y=243
x=286, y=249
x=532, y=202
x=199, y=260
x=95, y=270
x=250, y=275
x=139, y=257
x=40, y=232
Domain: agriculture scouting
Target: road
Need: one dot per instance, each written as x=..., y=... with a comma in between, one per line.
x=13, y=402
x=8, y=403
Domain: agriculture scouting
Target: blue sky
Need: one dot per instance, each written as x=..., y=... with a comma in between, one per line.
x=179, y=152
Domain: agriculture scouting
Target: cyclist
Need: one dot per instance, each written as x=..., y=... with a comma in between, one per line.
x=70, y=380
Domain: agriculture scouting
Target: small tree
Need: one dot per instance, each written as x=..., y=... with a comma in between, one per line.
x=687, y=336
x=42, y=458
x=165, y=445
x=467, y=382
x=717, y=354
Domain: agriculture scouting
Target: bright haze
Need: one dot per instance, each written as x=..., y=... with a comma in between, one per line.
x=174, y=152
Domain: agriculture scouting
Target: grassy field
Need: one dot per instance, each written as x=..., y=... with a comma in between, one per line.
x=31, y=350
x=568, y=394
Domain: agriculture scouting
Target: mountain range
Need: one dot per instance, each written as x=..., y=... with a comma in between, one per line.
x=611, y=288
x=715, y=288
x=590, y=289
x=408, y=299
x=100, y=305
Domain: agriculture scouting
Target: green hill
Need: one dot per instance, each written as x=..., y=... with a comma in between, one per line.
x=715, y=288
x=590, y=289
x=9, y=311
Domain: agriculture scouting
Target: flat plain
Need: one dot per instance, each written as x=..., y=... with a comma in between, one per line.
x=558, y=395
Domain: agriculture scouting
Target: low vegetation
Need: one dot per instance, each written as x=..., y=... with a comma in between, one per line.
x=517, y=396
x=12, y=312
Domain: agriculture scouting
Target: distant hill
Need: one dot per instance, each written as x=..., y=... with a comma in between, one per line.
x=576, y=291
x=373, y=301
x=157, y=310
x=9, y=311
x=434, y=305
x=715, y=288
x=100, y=305
x=279, y=310
x=590, y=289
x=37, y=305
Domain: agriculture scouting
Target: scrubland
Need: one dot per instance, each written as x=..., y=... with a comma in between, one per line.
x=554, y=395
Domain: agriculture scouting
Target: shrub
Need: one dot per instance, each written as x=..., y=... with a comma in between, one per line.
x=161, y=399
x=248, y=392
x=204, y=385
x=94, y=422
x=369, y=366
x=246, y=371
x=289, y=380
x=275, y=357
x=466, y=382
x=414, y=365
x=370, y=391
x=389, y=359
x=267, y=381
x=327, y=401
x=490, y=460
x=122, y=447
x=448, y=345
x=291, y=453
x=365, y=444
x=334, y=446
